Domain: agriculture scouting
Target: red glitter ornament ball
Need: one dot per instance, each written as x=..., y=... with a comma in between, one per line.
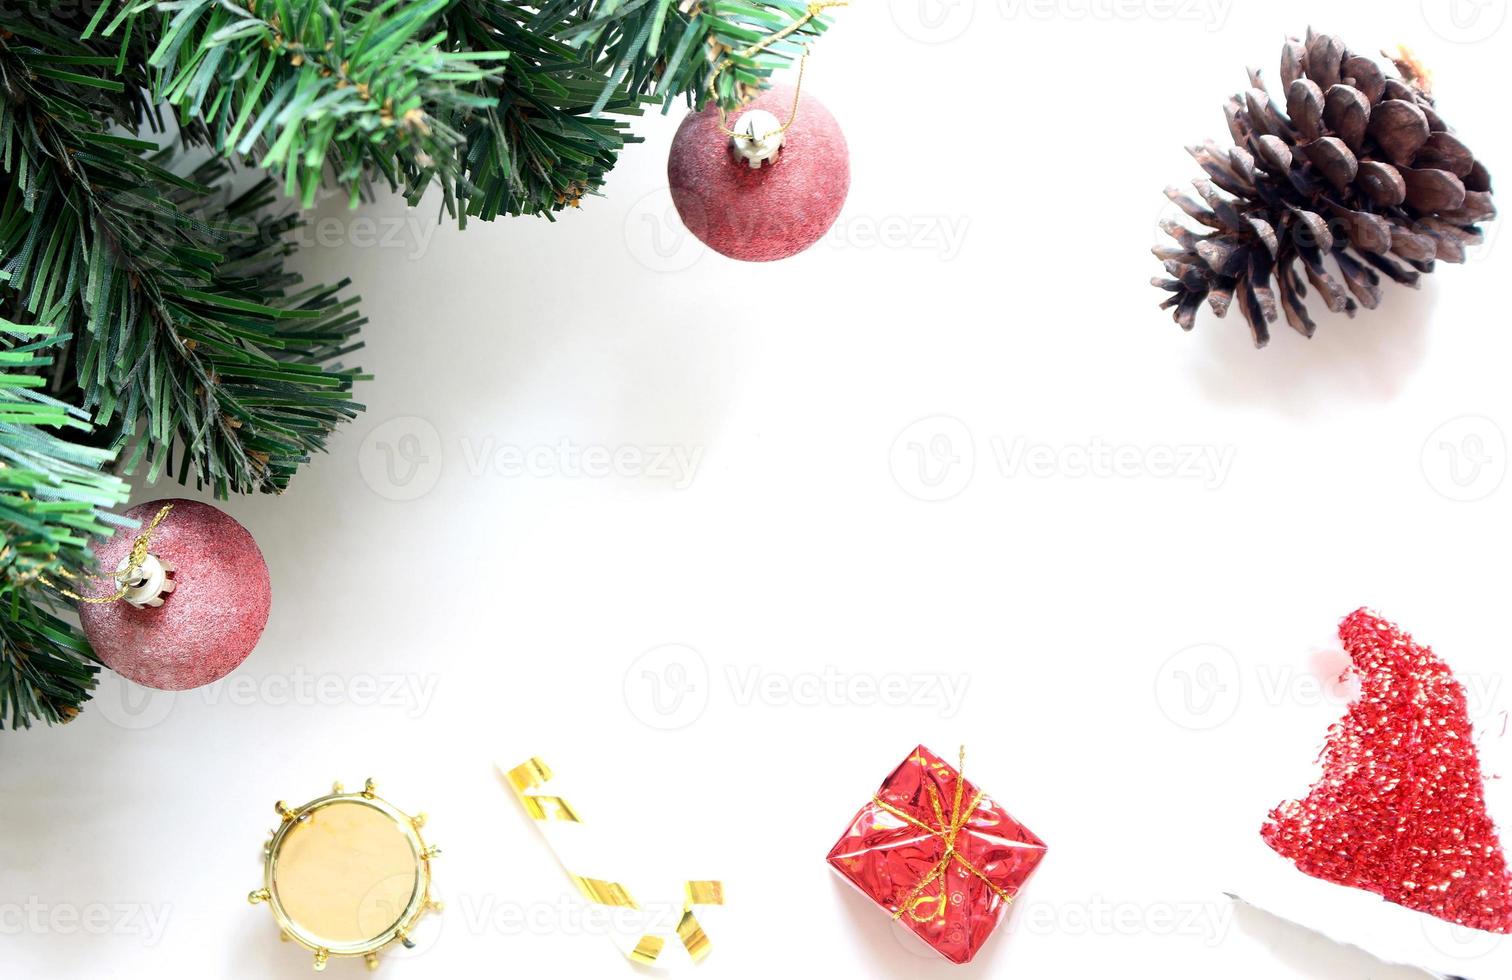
x=210, y=621
x=1401, y=808
x=768, y=212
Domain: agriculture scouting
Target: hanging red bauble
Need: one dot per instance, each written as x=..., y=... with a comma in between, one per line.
x=195, y=606
x=766, y=194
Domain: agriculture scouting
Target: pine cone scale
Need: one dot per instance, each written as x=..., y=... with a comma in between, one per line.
x=1346, y=112
x=1382, y=183
x=1434, y=190
x=1401, y=129
x=1444, y=151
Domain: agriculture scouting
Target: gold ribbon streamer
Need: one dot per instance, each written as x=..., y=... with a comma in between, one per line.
x=814, y=10
x=134, y=563
x=534, y=774
x=947, y=831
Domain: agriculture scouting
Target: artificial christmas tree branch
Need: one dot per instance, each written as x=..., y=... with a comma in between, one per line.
x=171, y=324
x=574, y=67
x=53, y=500
x=175, y=340
x=502, y=105
x=185, y=335
x=318, y=87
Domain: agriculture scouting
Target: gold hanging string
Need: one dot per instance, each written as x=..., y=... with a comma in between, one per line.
x=947, y=831
x=133, y=565
x=814, y=10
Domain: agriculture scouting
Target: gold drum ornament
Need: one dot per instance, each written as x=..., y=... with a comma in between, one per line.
x=347, y=874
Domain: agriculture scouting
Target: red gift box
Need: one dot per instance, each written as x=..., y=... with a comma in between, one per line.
x=939, y=855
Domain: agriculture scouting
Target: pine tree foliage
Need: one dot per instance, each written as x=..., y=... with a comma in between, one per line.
x=319, y=87
x=53, y=499
x=148, y=322
x=187, y=333
x=509, y=108
x=576, y=69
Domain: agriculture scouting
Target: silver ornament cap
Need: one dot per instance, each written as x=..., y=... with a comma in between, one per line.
x=757, y=139
x=146, y=586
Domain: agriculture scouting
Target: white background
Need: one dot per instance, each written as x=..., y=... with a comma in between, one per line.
x=1139, y=648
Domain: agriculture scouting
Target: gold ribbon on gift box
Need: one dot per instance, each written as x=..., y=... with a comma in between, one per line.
x=533, y=775
x=946, y=830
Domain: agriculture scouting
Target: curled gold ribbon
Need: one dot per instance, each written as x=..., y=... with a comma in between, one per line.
x=532, y=775
x=947, y=831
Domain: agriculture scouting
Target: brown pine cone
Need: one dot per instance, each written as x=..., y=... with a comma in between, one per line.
x=1358, y=166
